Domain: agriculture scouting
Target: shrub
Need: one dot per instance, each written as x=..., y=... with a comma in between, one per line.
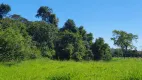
x=13, y=45
x=101, y=50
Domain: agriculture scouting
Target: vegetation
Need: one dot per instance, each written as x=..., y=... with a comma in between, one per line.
x=21, y=39
x=101, y=50
x=45, y=38
x=44, y=69
x=124, y=40
x=44, y=41
x=4, y=9
x=47, y=15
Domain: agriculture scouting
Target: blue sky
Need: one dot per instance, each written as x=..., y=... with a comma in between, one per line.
x=100, y=17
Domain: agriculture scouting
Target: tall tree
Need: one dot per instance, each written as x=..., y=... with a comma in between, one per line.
x=87, y=39
x=47, y=15
x=4, y=9
x=124, y=40
x=44, y=12
x=53, y=19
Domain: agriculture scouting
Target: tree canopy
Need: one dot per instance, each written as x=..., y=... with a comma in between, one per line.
x=47, y=15
x=123, y=39
x=4, y=9
x=22, y=39
x=101, y=50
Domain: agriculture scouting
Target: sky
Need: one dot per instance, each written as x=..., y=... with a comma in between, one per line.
x=99, y=17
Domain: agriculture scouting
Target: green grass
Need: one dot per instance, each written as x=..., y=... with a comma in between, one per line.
x=43, y=69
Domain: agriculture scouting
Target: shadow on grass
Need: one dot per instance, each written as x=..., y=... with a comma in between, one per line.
x=9, y=64
x=59, y=77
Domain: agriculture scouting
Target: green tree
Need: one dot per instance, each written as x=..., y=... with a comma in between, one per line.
x=87, y=39
x=4, y=9
x=70, y=46
x=15, y=43
x=44, y=12
x=65, y=41
x=90, y=38
x=70, y=26
x=19, y=18
x=101, y=50
x=16, y=25
x=79, y=50
x=124, y=40
x=53, y=20
x=78, y=38
x=47, y=15
x=45, y=36
x=117, y=52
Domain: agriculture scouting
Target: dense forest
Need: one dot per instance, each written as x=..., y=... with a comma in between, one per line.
x=21, y=39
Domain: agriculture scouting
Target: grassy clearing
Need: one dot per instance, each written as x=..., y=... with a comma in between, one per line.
x=42, y=69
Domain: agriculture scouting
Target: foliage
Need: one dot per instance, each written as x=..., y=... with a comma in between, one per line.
x=4, y=9
x=117, y=52
x=101, y=50
x=73, y=43
x=132, y=53
x=65, y=45
x=18, y=18
x=42, y=33
x=22, y=39
x=124, y=40
x=47, y=15
x=70, y=26
x=15, y=43
x=43, y=12
x=16, y=25
x=44, y=36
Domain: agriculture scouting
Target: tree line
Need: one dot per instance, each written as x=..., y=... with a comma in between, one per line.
x=21, y=39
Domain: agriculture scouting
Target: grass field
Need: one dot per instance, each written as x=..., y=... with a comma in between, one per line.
x=42, y=69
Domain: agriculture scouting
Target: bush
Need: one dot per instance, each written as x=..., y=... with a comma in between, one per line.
x=77, y=56
x=45, y=37
x=15, y=43
x=33, y=56
x=101, y=50
x=107, y=57
x=88, y=55
x=117, y=53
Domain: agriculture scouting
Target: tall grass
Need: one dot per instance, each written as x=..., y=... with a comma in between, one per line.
x=43, y=69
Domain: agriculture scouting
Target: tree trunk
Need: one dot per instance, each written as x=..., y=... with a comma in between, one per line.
x=126, y=50
x=123, y=50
